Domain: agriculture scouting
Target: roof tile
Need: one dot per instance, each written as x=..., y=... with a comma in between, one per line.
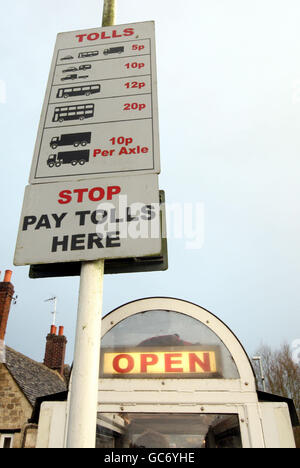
x=34, y=378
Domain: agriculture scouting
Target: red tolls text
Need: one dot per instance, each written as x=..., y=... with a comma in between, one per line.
x=105, y=35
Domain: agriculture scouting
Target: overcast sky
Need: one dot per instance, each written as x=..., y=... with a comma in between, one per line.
x=229, y=113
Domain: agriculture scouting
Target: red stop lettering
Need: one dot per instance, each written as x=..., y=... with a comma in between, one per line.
x=113, y=190
x=80, y=194
x=96, y=194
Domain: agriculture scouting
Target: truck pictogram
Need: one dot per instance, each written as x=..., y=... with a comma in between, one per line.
x=69, y=139
x=114, y=50
x=69, y=157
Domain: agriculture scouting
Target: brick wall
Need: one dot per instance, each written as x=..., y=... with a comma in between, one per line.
x=6, y=295
x=15, y=410
x=55, y=350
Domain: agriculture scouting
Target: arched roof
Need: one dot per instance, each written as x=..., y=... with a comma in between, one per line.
x=217, y=326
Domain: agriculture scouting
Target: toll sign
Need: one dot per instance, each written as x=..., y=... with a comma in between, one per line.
x=89, y=219
x=100, y=113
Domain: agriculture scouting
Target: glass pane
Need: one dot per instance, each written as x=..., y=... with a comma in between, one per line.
x=168, y=431
x=164, y=344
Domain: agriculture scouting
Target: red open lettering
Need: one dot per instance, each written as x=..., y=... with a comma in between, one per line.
x=148, y=360
x=170, y=361
x=123, y=370
x=204, y=365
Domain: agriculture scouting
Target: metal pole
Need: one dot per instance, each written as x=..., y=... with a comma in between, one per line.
x=262, y=376
x=85, y=374
x=82, y=418
x=54, y=311
x=109, y=11
x=54, y=299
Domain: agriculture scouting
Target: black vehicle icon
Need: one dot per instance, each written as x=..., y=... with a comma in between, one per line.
x=69, y=139
x=70, y=69
x=67, y=57
x=86, y=66
x=69, y=157
x=78, y=91
x=91, y=53
x=80, y=112
x=70, y=77
x=114, y=50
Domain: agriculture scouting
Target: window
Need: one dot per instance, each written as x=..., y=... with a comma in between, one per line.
x=164, y=344
x=6, y=440
x=140, y=430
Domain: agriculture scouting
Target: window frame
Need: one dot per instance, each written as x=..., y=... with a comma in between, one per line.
x=3, y=437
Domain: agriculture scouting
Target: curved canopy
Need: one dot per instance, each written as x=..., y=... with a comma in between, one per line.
x=163, y=337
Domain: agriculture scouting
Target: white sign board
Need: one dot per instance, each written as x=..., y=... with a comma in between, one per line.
x=100, y=116
x=89, y=219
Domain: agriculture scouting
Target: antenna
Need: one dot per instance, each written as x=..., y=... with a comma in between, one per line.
x=53, y=299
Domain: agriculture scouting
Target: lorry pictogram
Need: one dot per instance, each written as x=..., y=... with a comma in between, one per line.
x=69, y=157
x=69, y=139
x=114, y=50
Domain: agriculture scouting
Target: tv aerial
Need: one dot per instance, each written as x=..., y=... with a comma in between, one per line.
x=54, y=300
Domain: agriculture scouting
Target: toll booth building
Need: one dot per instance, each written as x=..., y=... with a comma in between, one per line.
x=172, y=375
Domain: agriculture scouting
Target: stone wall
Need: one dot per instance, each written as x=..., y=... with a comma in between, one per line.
x=15, y=410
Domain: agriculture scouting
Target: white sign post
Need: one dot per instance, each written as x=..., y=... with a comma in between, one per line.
x=82, y=417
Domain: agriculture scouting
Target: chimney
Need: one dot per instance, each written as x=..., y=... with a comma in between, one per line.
x=55, y=350
x=6, y=295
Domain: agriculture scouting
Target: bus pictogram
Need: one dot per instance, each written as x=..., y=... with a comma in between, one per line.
x=78, y=91
x=80, y=112
x=91, y=53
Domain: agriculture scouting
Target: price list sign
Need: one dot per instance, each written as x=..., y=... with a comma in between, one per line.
x=100, y=114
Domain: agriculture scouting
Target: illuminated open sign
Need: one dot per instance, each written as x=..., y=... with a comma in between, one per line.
x=194, y=362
